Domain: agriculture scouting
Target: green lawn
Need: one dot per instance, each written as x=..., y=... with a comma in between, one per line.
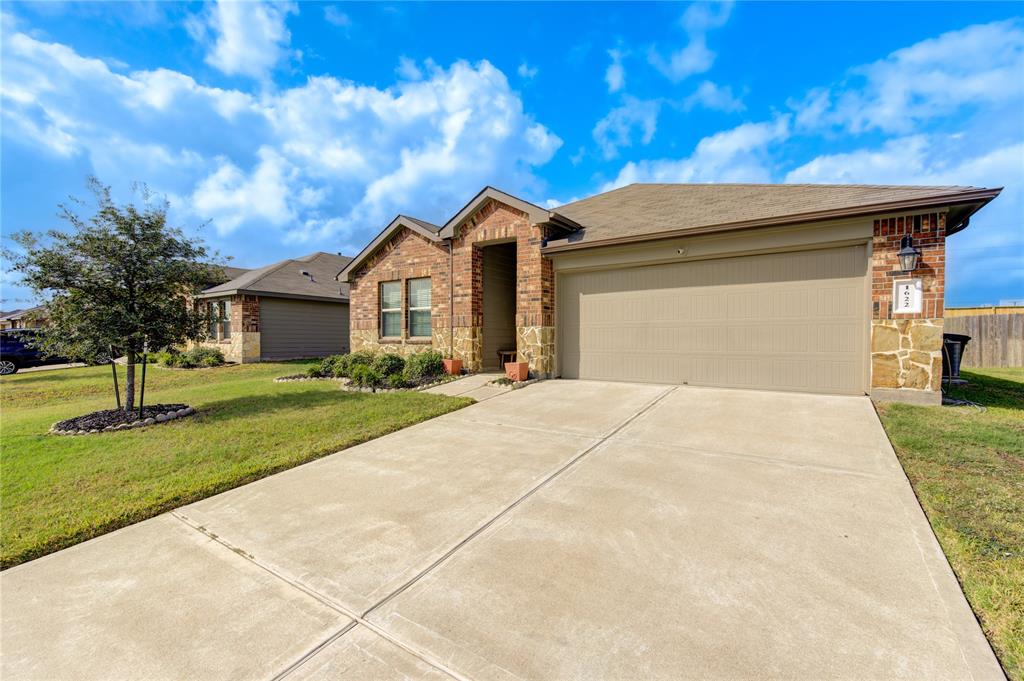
x=56, y=491
x=967, y=468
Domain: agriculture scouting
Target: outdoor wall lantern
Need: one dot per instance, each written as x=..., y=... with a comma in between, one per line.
x=908, y=254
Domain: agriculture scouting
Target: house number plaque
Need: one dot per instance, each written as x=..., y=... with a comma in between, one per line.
x=906, y=296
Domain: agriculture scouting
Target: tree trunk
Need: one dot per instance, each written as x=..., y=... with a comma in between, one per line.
x=129, y=381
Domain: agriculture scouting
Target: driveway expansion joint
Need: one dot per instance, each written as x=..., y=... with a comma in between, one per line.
x=355, y=618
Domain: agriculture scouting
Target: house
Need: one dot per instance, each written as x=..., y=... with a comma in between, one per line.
x=777, y=287
x=292, y=309
x=31, y=318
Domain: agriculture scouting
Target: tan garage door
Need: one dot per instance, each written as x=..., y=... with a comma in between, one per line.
x=302, y=328
x=784, y=321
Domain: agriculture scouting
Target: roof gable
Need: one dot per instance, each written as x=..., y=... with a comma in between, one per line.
x=428, y=231
x=535, y=213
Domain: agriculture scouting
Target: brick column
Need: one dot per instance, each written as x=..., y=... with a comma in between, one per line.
x=535, y=302
x=906, y=349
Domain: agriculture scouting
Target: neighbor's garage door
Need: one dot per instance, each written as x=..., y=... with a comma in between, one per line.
x=784, y=321
x=302, y=328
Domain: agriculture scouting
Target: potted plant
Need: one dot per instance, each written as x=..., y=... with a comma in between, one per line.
x=517, y=371
x=452, y=367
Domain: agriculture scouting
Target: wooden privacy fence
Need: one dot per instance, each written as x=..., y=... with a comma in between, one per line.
x=997, y=340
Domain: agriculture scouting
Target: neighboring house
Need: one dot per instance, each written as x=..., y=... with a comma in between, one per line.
x=778, y=287
x=291, y=309
x=32, y=318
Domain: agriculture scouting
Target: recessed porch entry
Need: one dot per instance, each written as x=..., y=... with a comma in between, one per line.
x=499, y=302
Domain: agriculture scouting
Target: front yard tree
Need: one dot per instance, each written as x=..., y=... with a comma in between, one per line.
x=118, y=280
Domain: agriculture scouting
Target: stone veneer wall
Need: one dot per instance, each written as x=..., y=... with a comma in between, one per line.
x=407, y=255
x=906, y=349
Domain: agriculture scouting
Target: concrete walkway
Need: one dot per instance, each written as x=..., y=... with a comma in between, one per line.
x=569, y=530
x=473, y=385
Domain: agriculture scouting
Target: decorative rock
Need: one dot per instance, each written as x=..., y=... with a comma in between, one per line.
x=148, y=422
x=94, y=431
x=189, y=411
x=171, y=415
x=136, y=424
x=160, y=418
x=182, y=412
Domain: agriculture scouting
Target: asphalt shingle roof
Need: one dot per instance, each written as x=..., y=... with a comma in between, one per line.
x=647, y=209
x=285, y=278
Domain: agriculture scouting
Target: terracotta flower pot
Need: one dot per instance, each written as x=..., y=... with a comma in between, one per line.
x=517, y=371
x=453, y=367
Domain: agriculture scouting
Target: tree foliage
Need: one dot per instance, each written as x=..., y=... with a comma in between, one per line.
x=119, y=279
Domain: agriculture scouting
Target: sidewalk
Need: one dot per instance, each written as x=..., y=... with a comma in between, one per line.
x=473, y=385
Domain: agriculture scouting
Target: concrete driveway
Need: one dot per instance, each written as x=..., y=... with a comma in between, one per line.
x=570, y=530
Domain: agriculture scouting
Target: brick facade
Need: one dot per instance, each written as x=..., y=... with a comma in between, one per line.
x=407, y=255
x=458, y=329
x=906, y=349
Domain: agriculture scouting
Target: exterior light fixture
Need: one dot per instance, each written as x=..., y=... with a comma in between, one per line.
x=909, y=255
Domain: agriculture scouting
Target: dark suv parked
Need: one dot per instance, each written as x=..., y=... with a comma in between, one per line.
x=17, y=352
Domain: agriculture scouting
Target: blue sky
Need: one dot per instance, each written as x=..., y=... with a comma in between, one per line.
x=290, y=128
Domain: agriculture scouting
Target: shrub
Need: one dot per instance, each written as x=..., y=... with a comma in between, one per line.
x=211, y=361
x=426, y=364
x=396, y=381
x=360, y=358
x=389, y=364
x=365, y=376
x=335, y=365
x=315, y=372
x=198, y=356
x=164, y=358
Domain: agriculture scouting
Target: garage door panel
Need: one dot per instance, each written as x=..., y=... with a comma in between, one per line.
x=790, y=321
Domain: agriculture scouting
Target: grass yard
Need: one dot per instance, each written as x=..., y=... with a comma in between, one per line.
x=56, y=491
x=967, y=468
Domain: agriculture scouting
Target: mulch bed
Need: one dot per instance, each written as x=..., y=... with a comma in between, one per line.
x=109, y=418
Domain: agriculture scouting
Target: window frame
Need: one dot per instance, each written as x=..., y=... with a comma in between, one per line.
x=224, y=309
x=382, y=311
x=218, y=325
x=428, y=308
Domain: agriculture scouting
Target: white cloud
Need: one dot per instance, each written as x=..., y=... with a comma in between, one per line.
x=248, y=38
x=231, y=197
x=335, y=16
x=978, y=66
x=329, y=161
x=736, y=155
x=526, y=71
x=615, y=130
x=408, y=70
x=715, y=97
x=615, y=75
x=695, y=57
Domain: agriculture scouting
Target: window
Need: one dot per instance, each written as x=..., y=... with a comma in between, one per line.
x=391, y=309
x=219, y=315
x=225, y=319
x=211, y=315
x=419, y=308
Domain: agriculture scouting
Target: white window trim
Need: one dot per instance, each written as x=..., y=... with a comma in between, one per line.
x=383, y=309
x=427, y=309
